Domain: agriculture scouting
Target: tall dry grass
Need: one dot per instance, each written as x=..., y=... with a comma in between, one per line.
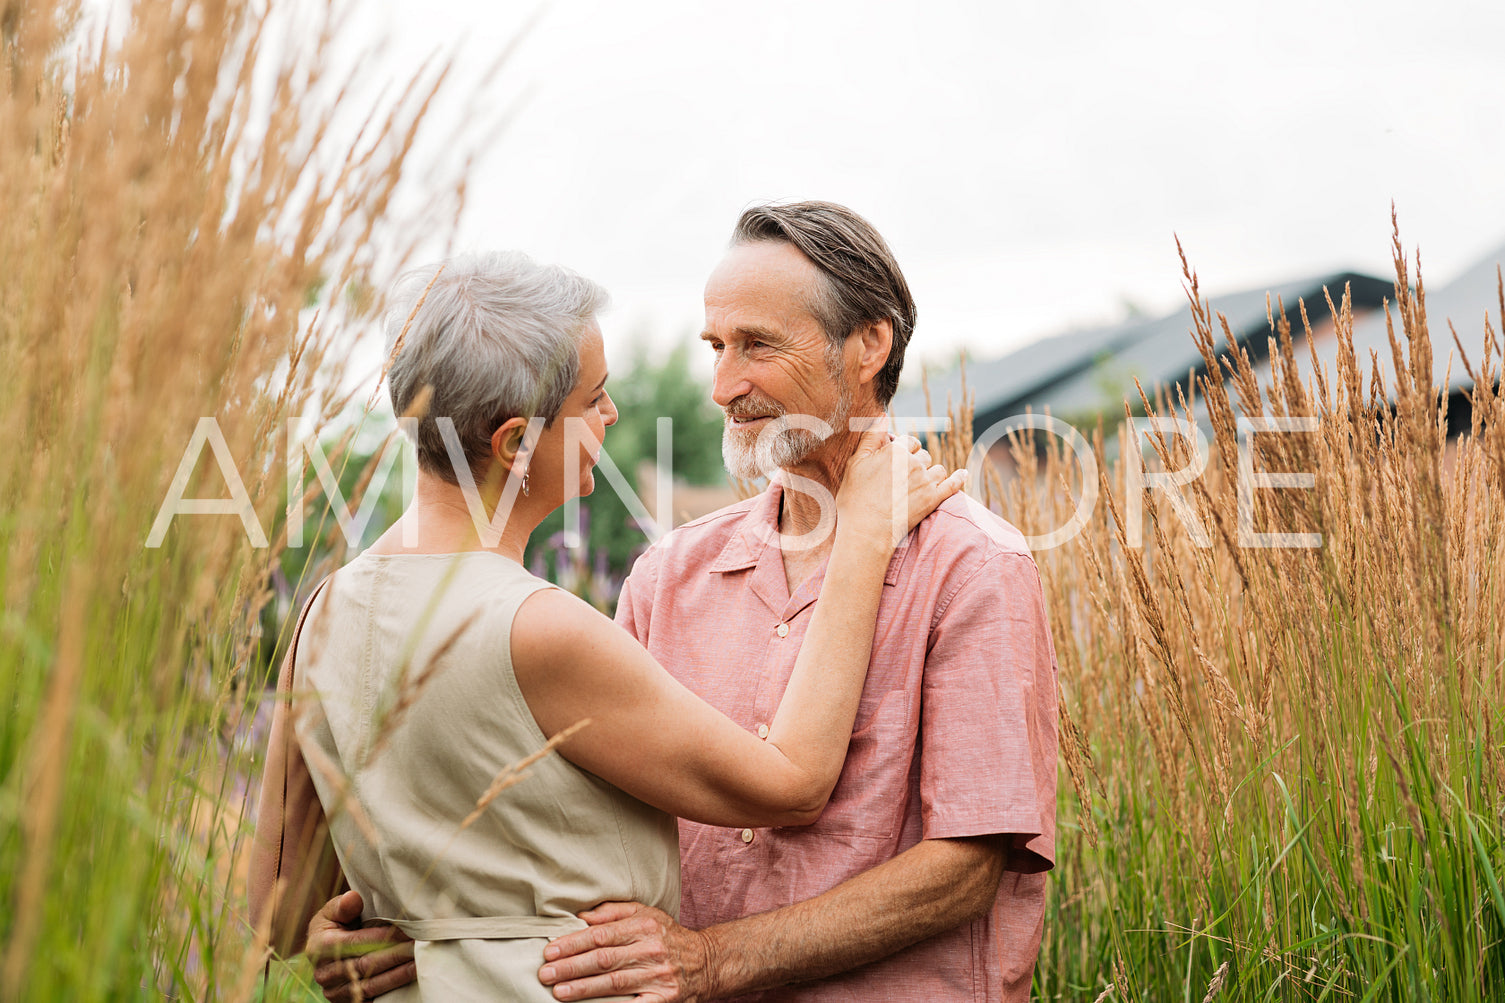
x=1285, y=766
x=187, y=206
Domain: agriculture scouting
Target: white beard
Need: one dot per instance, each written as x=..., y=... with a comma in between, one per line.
x=750, y=454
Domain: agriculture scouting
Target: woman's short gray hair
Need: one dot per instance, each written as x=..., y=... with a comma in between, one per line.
x=496, y=337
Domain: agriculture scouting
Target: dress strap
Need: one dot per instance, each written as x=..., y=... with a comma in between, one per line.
x=487, y=927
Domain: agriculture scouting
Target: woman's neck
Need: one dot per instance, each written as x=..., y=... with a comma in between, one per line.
x=440, y=521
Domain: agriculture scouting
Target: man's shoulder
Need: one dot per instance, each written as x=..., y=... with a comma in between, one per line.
x=962, y=525
x=963, y=548
x=724, y=520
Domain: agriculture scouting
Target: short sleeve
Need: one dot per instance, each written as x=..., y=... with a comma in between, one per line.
x=988, y=714
x=635, y=601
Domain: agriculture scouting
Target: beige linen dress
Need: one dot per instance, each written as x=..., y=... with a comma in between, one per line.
x=413, y=711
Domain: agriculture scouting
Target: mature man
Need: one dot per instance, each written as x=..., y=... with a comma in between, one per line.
x=923, y=879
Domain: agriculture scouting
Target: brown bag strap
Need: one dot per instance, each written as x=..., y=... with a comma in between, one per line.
x=290, y=740
x=287, y=784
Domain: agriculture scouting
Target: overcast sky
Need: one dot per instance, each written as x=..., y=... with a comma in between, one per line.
x=1030, y=164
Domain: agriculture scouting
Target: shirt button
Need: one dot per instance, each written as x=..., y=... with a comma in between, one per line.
x=762, y=731
x=782, y=630
x=747, y=835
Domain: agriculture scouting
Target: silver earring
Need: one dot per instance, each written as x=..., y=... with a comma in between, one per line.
x=525, y=483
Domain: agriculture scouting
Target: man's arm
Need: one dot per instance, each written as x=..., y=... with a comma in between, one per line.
x=940, y=883
x=934, y=886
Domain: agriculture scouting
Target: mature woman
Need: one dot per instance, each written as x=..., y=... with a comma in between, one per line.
x=435, y=659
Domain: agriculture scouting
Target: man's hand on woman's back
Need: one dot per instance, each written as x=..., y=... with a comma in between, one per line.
x=354, y=963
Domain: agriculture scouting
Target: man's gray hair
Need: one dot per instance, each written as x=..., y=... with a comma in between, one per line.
x=861, y=279
x=496, y=337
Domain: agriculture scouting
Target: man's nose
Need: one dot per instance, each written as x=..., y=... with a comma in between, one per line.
x=730, y=380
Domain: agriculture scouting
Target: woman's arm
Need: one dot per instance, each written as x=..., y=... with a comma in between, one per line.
x=656, y=740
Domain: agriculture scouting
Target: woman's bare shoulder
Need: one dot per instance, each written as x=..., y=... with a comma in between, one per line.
x=571, y=662
x=557, y=630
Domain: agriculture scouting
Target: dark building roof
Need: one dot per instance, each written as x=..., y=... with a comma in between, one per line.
x=1082, y=374
x=1464, y=301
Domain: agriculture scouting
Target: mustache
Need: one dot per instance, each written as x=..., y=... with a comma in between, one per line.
x=750, y=406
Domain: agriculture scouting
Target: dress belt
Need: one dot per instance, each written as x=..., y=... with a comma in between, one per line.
x=487, y=927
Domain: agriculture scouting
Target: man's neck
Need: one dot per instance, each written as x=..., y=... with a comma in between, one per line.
x=811, y=485
x=803, y=506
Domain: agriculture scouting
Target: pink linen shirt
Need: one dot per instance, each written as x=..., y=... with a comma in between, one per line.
x=955, y=735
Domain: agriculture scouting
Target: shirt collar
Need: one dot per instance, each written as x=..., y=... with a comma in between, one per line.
x=758, y=528
x=759, y=532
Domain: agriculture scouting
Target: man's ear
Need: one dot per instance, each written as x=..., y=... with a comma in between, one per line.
x=507, y=441
x=874, y=340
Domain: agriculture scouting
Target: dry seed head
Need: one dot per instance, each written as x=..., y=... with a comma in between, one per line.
x=1215, y=987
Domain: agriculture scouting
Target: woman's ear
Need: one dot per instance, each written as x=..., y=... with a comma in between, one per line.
x=507, y=441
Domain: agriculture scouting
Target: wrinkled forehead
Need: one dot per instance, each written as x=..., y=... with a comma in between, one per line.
x=764, y=277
